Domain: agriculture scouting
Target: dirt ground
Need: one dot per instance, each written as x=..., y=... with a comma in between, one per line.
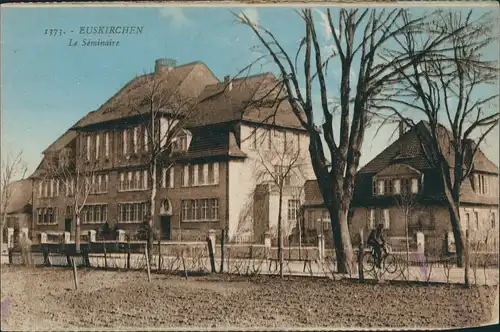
x=45, y=299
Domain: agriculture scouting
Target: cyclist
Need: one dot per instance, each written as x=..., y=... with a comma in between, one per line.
x=377, y=242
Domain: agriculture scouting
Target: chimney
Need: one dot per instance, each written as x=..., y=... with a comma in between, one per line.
x=401, y=128
x=162, y=65
x=229, y=82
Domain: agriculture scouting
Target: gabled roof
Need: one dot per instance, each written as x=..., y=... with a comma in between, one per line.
x=414, y=149
x=178, y=85
x=242, y=99
x=20, y=196
x=312, y=193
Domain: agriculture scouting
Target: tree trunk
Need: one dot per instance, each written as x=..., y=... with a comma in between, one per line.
x=152, y=211
x=280, y=240
x=341, y=238
x=457, y=234
x=407, y=246
x=77, y=234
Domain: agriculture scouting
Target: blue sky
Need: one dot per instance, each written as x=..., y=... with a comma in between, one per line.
x=47, y=86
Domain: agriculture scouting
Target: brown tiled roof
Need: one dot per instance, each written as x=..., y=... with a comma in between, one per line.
x=312, y=193
x=20, y=199
x=212, y=141
x=243, y=101
x=182, y=84
x=410, y=150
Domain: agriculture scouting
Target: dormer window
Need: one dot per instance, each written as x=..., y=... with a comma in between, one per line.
x=481, y=184
x=182, y=141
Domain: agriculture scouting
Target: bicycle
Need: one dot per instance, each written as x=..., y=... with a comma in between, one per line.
x=388, y=261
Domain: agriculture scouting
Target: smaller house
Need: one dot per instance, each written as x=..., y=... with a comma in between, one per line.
x=18, y=211
x=402, y=189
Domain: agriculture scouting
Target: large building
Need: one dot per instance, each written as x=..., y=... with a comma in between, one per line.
x=233, y=131
x=401, y=178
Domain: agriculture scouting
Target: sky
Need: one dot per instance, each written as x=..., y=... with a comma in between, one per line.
x=47, y=85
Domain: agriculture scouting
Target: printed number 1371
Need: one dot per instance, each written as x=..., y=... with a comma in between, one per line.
x=54, y=32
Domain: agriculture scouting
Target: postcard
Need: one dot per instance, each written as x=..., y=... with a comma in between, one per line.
x=298, y=166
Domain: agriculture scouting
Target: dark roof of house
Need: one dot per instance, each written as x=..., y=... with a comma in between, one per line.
x=413, y=149
x=179, y=89
x=249, y=98
x=312, y=194
x=20, y=196
x=211, y=141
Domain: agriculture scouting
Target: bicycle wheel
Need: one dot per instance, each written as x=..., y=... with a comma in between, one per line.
x=390, y=263
x=368, y=261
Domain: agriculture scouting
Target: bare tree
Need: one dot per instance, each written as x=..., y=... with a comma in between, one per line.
x=11, y=169
x=407, y=203
x=281, y=164
x=73, y=178
x=164, y=111
x=360, y=39
x=450, y=90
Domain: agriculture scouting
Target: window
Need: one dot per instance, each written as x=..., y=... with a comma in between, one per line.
x=201, y=177
x=46, y=216
x=97, y=146
x=405, y=186
x=106, y=144
x=88, y=146
x=124, y=142
x=136, y=139
x=131, y=212
x=195, y=175
x=95, y=214
x=374, y=187
x=310, y=220
x=387, y=187
x=279, y=174
x=133, y=180
x=146, y=139
x=206, y=209
x=381, y=186
x=185, y=210
x=387, y=221
x=205, y=174
x=214, y=173
x=293, y=209
x=481, y=184
x=371, y=219
x=180, y=143
x=414, y=185
x=396, y=188
x=185, y=176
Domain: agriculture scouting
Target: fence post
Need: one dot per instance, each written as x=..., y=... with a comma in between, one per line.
x=361, y=273
x=105, y=255
x=10, y=256
x=466, y=276
x=46, y=256
x=320, y=247
x=211, y=242
x=223, y=234
x=147, y=263
x=75, y=276
x=267, y=244
x=159, y=255
x=10, y=237
x=128, y=252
